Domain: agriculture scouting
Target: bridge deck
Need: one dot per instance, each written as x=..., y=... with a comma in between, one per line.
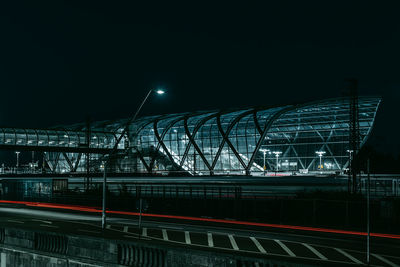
x=57, y=140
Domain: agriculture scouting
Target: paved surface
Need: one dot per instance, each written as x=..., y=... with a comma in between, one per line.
x=335, y=249
x=254, y=244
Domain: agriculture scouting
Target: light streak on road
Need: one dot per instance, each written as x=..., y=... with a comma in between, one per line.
x=189, y=218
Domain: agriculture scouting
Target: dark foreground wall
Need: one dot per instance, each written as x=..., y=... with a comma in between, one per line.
x=29, y=248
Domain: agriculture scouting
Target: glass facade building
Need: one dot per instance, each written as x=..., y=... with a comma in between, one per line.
x=286, y=138
x=56, y=138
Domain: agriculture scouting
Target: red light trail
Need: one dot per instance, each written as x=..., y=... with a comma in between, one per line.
x=189, y=218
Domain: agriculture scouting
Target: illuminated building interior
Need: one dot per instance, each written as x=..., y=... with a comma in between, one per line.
x=308, y=137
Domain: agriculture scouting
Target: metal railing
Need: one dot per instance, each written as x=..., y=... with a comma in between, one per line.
x=382, y=186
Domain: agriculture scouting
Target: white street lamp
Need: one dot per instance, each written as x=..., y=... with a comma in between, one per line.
x=320, y=154
x=277, y=154
x=350, y=160
x=17, y=153
x=264, y=152
x=350, y=153
x=115, y=148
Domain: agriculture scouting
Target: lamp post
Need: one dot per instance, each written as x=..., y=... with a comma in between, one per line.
x=115, y=148
x=350, y=170
x=350, y=158
x=277, y=154
x=103, y=213
x=320, y=154
x=264, y=151
x=368, y=215
x=17, y=153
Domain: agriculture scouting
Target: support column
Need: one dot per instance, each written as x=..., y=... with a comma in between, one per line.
x=88, y=134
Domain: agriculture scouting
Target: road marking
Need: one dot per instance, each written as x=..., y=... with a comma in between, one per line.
x=285, y=248
x=164, y=234
x=187, y=238
x=316, y=252
x=14, y=221
x=210, y=240
x=258, y=245
x=42, y=221
x=233, y=242
x=144, y=231
x=388, y=262
x=88, y=231
x=344, y=253
x=170, y=227
x=3, y=259
x=220, y=233
x=125, y=229
x=48, y=225
x=108, y=226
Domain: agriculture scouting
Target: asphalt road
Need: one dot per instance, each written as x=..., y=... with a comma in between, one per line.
x=324, y=247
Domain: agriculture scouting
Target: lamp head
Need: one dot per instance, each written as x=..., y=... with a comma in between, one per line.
x=277, y=153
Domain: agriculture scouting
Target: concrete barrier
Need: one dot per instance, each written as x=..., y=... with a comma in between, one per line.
x=20, y=247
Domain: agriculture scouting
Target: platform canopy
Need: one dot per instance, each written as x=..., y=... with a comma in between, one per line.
x=305, y=137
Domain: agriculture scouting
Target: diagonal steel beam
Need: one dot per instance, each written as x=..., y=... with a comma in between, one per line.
x=169, y=126
x=193, y=134
x=162, y=144
x=71, y=167
x=267, y=126
x=256, y=122
x=141, y=158
x=225, y=138
x=193, y=142
x=78, y=159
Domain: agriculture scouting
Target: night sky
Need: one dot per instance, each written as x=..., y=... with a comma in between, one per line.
x=61, y=62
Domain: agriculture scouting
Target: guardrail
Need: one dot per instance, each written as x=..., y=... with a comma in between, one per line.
x=381, y=187
x=21, y=248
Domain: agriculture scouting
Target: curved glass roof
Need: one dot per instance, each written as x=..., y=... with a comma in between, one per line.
x=242, y=141
x=230, y=142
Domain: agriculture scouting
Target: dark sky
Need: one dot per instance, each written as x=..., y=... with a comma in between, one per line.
x=63, y=61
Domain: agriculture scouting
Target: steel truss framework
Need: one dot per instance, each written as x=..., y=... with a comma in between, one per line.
x=230, y=142
x=61, y=140
x=64, y=147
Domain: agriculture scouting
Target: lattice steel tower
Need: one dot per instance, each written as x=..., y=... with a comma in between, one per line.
x=354, y=133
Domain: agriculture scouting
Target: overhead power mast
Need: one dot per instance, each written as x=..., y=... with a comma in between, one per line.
x=354, y=133
x=88, y=141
